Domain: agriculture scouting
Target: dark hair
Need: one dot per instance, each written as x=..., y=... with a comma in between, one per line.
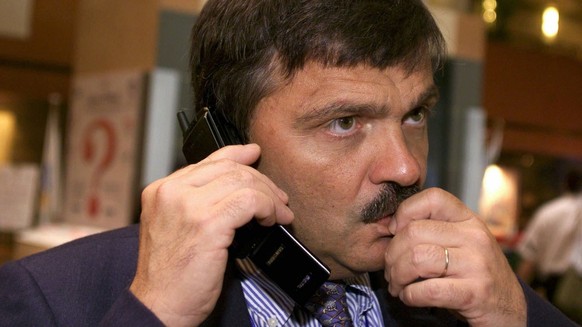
x=243, y=50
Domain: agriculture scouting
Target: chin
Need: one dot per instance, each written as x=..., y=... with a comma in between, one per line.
x=375, y=265
x=356, y=266
x=367, y=257
x=375, y=256
x=374, y=261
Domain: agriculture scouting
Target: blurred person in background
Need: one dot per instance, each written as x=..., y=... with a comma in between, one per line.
x=548, y=240
x=568, y=297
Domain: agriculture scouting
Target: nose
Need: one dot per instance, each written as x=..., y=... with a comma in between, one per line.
x=398, y=159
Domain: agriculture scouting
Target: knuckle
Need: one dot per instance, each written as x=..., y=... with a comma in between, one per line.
x=481, y=236
x=389, y=257
x=418, y=256
x=238, y=201
x=244, y=202
x=226, y=164
x=244, y=177
x=434, y=195
x=238, y=176
x=248, y=196
x=151, y=190
x=157, y=192
x=164, y=191
x=148, y=192
x=413, y=230
x=407, y=297
x=433, y=291
x=468, y=298
x=481, y=263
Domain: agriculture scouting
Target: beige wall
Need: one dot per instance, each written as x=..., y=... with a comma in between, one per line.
x=115, y=35
x=52, y=35
x=538, y=96
x=41, y=64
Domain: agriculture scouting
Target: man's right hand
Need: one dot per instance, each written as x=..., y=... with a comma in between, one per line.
x=188, y=221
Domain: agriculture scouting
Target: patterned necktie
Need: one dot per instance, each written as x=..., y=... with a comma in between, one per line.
x=329, y=305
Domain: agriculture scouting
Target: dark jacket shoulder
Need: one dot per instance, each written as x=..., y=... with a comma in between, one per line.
x=75, y=283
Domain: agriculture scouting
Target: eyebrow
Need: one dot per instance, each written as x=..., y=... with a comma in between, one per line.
x=340, y=108
x=343, y=108
x=431, y=95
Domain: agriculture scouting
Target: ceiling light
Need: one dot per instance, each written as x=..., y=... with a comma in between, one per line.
x=550, y=22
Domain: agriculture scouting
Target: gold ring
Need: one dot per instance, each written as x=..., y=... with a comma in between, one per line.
x=446, y=263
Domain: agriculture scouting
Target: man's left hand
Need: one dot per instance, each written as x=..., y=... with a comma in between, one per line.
x=443, y=255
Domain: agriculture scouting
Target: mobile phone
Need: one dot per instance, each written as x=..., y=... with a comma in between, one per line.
x=286, y=261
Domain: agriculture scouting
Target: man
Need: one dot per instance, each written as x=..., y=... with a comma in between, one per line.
x=332, y=97
x=567, y=294
x=548, y=241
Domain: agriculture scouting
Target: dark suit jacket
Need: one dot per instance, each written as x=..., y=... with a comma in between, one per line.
x=85, y=283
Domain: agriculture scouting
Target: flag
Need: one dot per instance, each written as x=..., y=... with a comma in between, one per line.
x=50, y=193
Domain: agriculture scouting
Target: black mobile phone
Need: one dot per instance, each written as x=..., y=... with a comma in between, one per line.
x=273, y=249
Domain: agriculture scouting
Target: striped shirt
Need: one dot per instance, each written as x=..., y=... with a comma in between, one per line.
x=269, y=306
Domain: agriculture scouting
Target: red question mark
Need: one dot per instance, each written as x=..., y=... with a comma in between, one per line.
x=90, y=153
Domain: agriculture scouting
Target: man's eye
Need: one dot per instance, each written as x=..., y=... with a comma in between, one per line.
x=343, y=126
x=417, y=116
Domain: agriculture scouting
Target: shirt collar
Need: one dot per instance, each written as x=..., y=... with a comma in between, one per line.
x=267, y=300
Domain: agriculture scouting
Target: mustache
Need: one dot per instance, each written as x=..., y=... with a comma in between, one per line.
x=385, y=204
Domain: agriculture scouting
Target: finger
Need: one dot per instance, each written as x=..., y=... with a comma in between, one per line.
x=220, y=180
x=239, y=207
x=192, y=218
x=454, y=294
x=217, y=165
x=228, y=156
x=470, y=238
x=235, y=173
x=194, y=203
x=441, y=233
x=433, y=203
x=245, y=154
x=242, y=181
x=421, y=262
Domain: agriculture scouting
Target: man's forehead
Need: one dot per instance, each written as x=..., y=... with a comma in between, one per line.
x=318, y=76
x=319, y=70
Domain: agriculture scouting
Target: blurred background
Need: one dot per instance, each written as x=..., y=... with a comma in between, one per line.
x=89, y=91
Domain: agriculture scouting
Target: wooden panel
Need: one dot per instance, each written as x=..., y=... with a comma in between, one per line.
x=52, y=38
x=538, y=91
x=33, y=83
x=540, y=142
x=116, y=35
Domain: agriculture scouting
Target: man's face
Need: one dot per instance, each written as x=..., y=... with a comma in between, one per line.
x=333, y=138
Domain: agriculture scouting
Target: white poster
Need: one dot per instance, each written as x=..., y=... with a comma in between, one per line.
x=103, y=148
x=18, y=195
